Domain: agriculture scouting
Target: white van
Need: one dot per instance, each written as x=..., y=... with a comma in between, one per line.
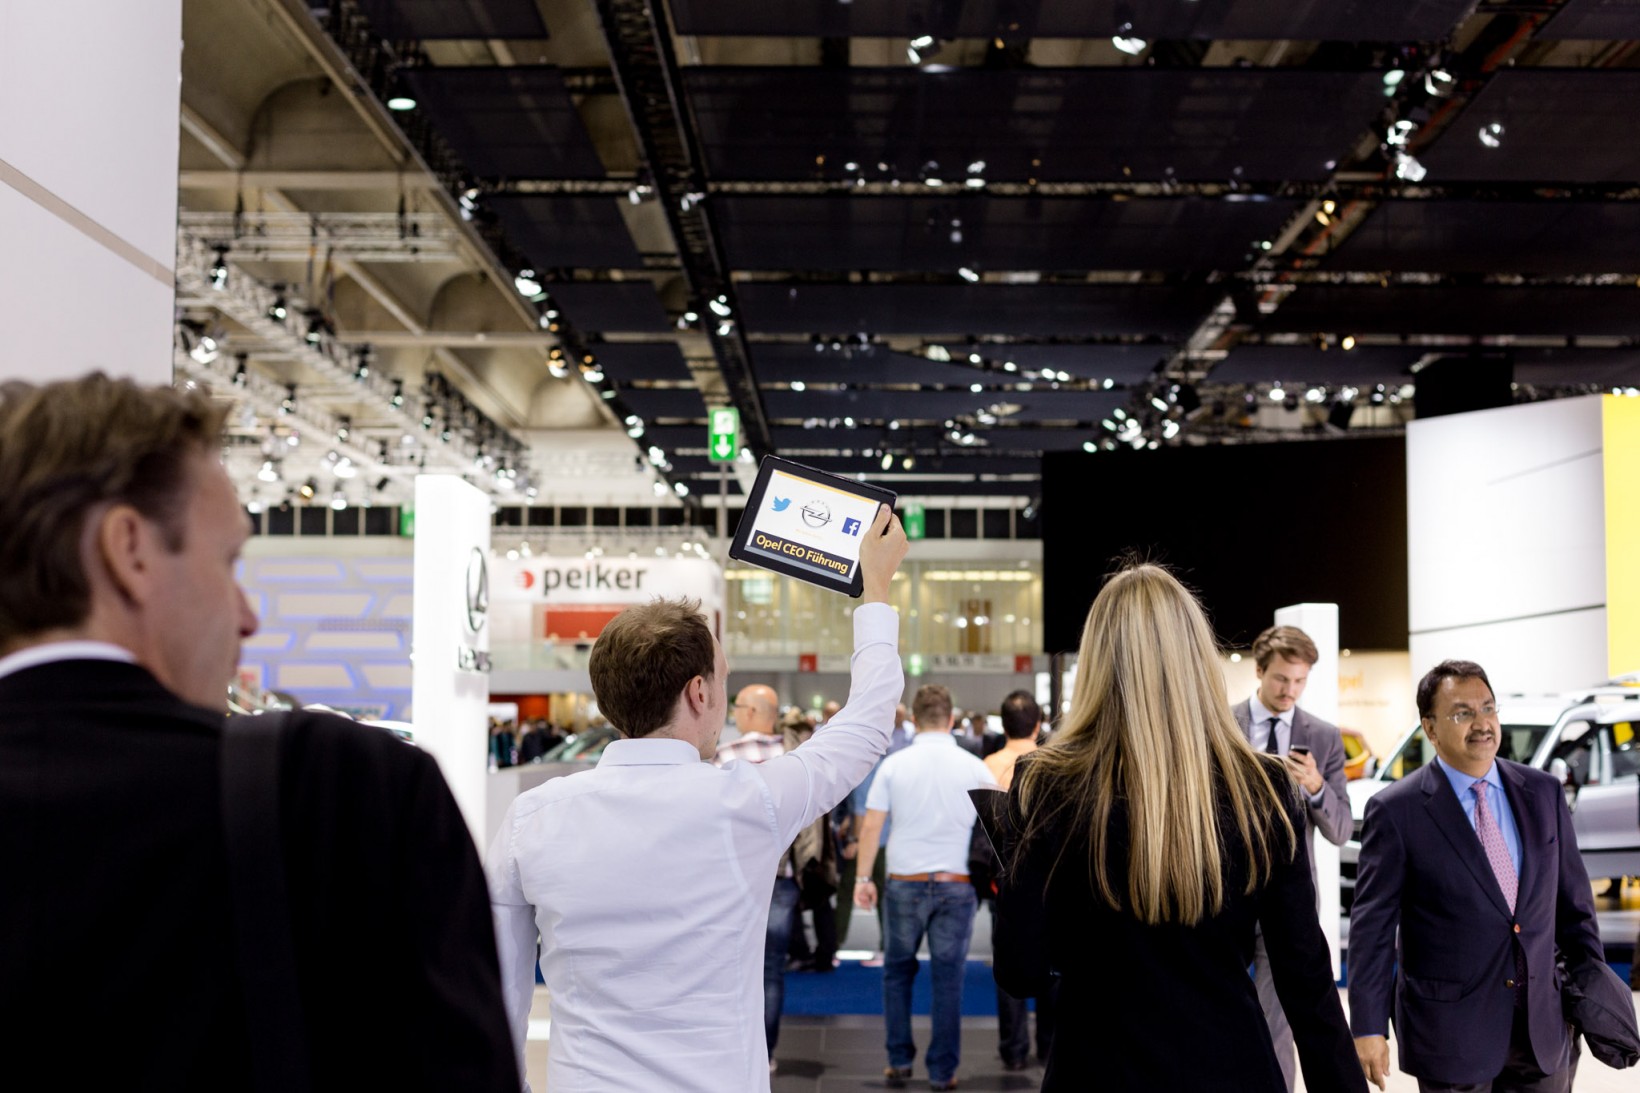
x=1590, y=740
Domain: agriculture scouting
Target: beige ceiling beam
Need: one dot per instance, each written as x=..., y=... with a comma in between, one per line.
x=447, y=339
x=334, y=181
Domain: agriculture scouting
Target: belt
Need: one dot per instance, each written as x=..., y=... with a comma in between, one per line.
x=938, y=878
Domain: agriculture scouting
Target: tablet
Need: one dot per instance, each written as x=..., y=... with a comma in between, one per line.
x=807, y=524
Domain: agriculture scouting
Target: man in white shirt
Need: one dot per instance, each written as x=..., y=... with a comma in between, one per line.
x=924, y=788
x=648, y=878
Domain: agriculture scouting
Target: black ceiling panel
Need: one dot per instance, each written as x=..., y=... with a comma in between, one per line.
x=676, y=437
x=628, y=361
x=1045, y=310
x=1033, y=440
x=1558, y=126
x=1362, y=365
x=782, y=363
x=1474, y=310
x=1568, y=367
x=672, y=402
x=1213, y=124
x=969, y=461
x=508, y=122
x=628, y=307
x=567, y=231
x=432, y=20
x=878, y=405
x=1121, y=364
x=1496, y=236
x=1594, y=20
x=946, y=233
x=1357, y=20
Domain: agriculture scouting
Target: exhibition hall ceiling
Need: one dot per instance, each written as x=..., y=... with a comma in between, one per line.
x=920, y=240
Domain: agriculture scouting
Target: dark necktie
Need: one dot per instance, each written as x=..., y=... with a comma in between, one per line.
x=1273, y=745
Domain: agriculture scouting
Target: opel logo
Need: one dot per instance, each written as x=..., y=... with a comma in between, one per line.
x=478, y=590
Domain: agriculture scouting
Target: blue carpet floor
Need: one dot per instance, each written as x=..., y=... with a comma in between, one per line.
x=854, y=989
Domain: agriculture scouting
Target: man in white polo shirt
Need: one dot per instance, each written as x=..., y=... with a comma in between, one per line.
x=648, y=878
x=925, y=789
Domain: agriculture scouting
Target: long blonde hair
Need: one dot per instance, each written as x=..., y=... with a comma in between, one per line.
x=1149, y=723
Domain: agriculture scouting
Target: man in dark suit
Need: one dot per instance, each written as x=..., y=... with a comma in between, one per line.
x=1314, y=752
x=120, y=626
x=1474, y=860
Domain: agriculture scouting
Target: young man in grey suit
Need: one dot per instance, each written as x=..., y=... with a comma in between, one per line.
x=1314, y=751
x=1469, y=889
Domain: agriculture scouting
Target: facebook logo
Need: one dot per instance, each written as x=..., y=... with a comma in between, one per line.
x=851, y=526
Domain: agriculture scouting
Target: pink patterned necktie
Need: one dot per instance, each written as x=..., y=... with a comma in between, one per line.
x=1497, y=853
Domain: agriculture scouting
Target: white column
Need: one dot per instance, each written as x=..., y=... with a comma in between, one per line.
x=450, y=637
x=1320, y=621
x=89, y=114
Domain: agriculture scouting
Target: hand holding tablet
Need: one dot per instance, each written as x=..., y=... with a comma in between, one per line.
x=810, y=525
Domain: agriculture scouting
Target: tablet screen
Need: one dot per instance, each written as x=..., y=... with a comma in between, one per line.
x=807, y=523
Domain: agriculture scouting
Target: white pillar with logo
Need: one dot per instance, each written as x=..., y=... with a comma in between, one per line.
x=450, y=637
x=1320, y=621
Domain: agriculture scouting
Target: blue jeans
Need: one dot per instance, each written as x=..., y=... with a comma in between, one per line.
x=782, y=913
x=944, y=912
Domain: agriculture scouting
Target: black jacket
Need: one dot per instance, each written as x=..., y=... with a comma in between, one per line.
x=1170, y=1007
x=1601, y=1007
x=114, y=905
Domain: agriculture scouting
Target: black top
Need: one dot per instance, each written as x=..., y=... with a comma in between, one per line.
x=1170, y=1007
x=114, y=897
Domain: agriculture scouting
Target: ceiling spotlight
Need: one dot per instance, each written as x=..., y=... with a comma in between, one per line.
x=1439, y=82
x=219, y=267
x=888, y=460
x=1400, y=132
x=1125, y=38
x=1089, y=446
x=1277, y=394
x=399, y=96
x=681, y=489
x=799, y=386
x=1347, y=343
x=269, y=472
x=338, y=500
x=1129, y=45
x=725, y=328
x=593, y=373
x=1492, y=134
x=1392, y=80
x=277, y=310
x=308, y=489
x=254, y=506
x=720, y=307
x=205, y=350
x=921, y=47
x=344, y=468
x=1408, y=168
x=968, y=275
x=908, y=462
x=527, y=284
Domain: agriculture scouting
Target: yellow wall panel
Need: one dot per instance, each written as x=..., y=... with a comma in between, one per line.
x=1620, y=421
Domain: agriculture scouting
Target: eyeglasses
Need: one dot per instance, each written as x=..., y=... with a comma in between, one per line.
x=1465, y=717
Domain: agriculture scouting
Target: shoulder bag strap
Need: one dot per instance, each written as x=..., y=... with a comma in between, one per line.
x=264, y=950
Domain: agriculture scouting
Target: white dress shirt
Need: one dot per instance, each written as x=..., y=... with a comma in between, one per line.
x=52, y=651
x=648, y=879
x=924, y=789
x=1260, y=736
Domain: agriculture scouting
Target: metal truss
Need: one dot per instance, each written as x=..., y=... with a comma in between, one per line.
x=298, y=236
x=646, y=71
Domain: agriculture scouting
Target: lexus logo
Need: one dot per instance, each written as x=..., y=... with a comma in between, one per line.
x=478, y=590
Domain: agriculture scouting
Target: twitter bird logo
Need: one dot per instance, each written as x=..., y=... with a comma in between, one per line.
x=781, y=504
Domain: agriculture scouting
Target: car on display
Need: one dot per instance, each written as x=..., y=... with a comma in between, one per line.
x=1359, y=762
x=1590, y=742
x=584, y=748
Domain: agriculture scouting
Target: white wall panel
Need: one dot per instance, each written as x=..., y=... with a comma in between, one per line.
x=1505, y=516
x=68, y=305
x=1550, y=653
x=89, y=98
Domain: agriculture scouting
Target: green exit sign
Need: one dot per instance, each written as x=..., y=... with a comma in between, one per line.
x=723, y=435
x=912, y=519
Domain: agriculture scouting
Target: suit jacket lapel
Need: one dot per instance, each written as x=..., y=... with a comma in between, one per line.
x=1301, y=732
x=1529, y=821
x=1243, y=713
x=1446, y=815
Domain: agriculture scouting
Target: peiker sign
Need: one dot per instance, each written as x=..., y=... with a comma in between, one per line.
x=571, y=599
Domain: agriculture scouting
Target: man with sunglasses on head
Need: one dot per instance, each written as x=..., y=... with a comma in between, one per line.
x=1472, y=858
